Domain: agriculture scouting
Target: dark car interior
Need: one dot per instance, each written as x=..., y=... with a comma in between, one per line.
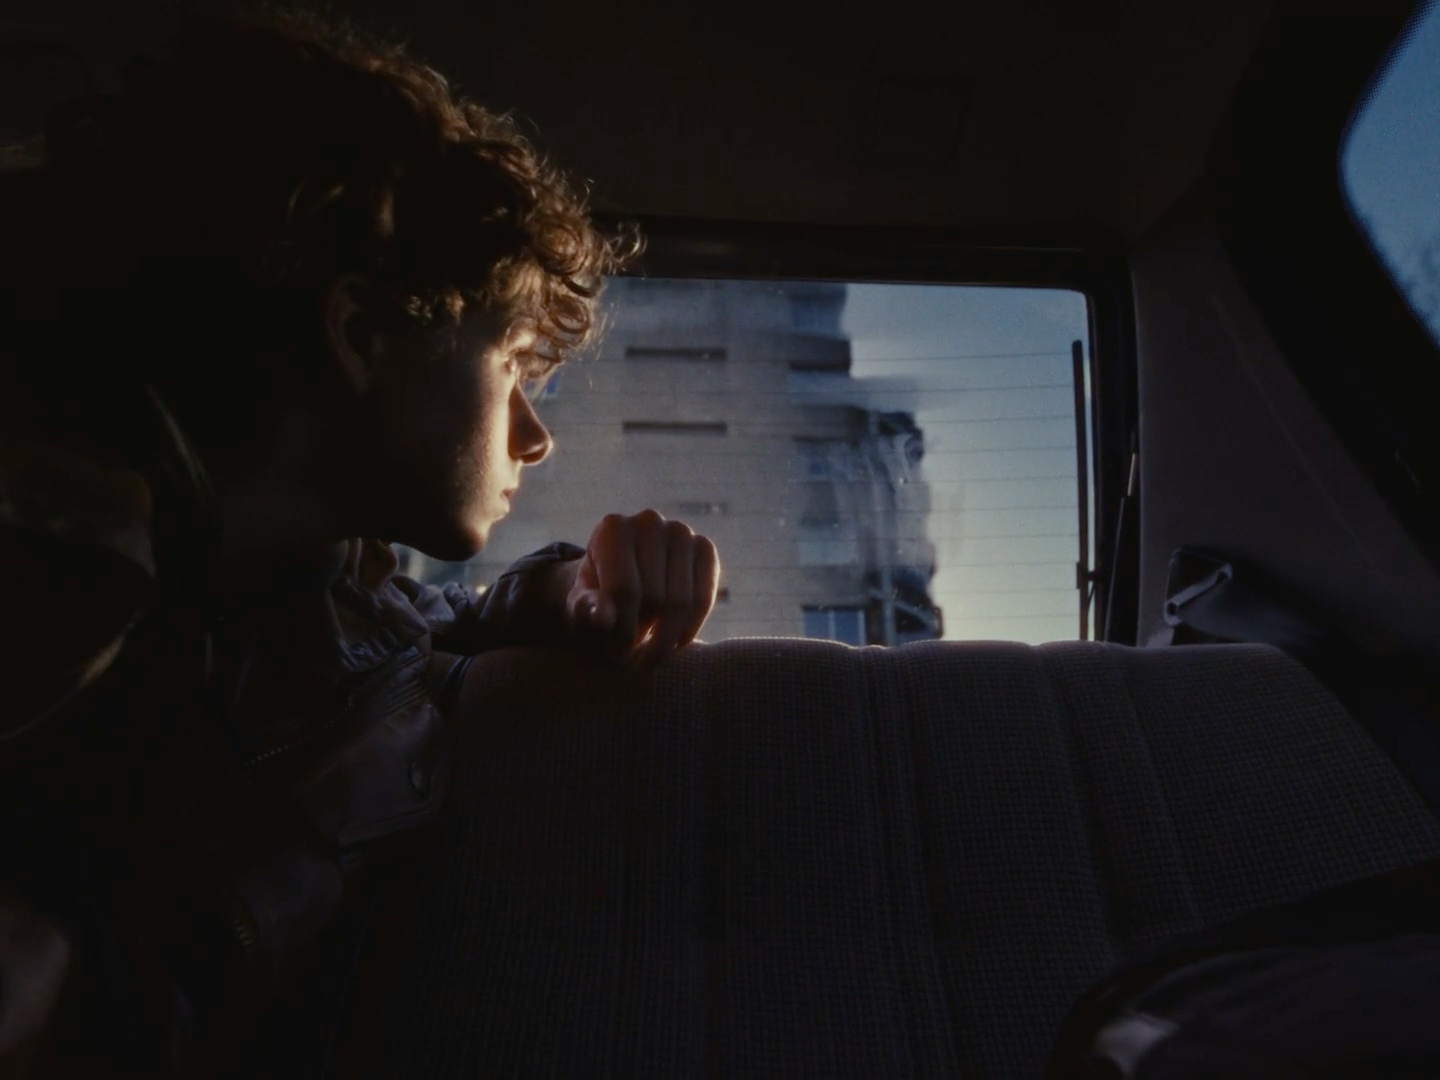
x=791, y=857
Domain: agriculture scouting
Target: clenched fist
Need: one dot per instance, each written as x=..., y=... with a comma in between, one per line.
x=643, y=589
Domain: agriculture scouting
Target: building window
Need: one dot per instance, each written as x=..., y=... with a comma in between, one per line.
x=843, y=624
x=667, y=352
x=819, y=507
x=675, y=427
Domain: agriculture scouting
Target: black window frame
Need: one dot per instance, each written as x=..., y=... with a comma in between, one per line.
x=1090, y=262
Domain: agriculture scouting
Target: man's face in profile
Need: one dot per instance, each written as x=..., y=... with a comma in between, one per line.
x=451, y=428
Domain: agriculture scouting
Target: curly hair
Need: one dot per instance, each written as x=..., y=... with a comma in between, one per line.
x=271, y=152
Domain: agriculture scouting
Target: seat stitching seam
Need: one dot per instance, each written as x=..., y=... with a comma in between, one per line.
x=926, y=878
x=1084, y=786
x=1168, y=823
x=872, y=731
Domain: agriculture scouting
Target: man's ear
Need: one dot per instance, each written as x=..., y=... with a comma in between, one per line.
x=348, y=326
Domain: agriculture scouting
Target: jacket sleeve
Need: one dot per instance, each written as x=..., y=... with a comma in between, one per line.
x=511, y=612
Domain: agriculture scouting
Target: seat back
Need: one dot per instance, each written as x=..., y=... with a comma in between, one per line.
x=791, y=857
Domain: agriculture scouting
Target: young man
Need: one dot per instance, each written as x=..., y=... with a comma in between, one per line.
x=276, y=305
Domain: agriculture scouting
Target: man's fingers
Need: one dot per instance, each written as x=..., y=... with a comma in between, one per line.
x=705, y=583
x=677, y=599
x=654, y=582
x=612, y=552
x=652, y=536
x=586, y=602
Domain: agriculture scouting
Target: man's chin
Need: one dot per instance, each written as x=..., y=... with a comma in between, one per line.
x=452, y=545
x=465, y=549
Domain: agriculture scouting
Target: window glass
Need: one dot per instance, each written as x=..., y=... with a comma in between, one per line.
x=1390, y=166
x=877, y=464
x=846, y=624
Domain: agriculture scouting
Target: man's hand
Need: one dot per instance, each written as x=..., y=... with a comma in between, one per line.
x=644, y=588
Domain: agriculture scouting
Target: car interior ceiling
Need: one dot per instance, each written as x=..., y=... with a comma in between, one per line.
x=1173, y=161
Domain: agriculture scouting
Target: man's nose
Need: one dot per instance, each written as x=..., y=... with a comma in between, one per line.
x=530, y=442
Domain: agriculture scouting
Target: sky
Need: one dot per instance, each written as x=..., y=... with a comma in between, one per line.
x=1000, y=443
x=1390, y=161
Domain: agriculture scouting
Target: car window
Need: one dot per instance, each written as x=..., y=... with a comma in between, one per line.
x=876, y=463
x=1390, y=165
